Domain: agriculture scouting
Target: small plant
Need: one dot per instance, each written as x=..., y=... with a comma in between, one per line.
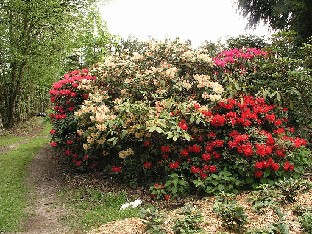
x=290, y=188
x=299, y=210
x=232, y=214
x=154, y=221
x=176, y=185
x=189, y=220
x=280, y=226
x=265, y=196
x=306, y=222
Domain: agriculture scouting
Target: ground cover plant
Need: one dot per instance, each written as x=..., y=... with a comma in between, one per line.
x=13, y=167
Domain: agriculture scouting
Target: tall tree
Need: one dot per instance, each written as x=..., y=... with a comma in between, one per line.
x=295, y=15
x=36, y=36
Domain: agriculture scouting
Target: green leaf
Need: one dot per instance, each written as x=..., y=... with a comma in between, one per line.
x=158, y=129
x=220, y=187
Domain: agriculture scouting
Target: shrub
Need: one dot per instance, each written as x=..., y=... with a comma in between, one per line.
x=232, y=214
x=306, y=222
x=157, y=118
x=67, y=99
x=188, y=220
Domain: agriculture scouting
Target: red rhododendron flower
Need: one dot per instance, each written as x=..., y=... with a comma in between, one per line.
x=209, y=147
x=207, y=113
x=263, y=150
x=299, y=142
x=71, y=109
x=206, y=157
x=259, y=165
x=279, y=131
x=75, y=85
x=165, y=149
x=85, y=95
x=196, y=105
x=270, y=117
x=184, y=152
x=73, y=94
x=280, y=153
x=53, y=144
x=158, y=186
x=216, y=155
x=116, y=169
x=218, y=143
x=182, y=124
x=146, y=143
x=212, y=169
x=174, y=165
x=288, y=166
x=167, y=197
x=69, y=142
x=246, y=149
x=52, y=131
x=67, y=152
x=78, y=163
x=258, y=174
x=203, y=175
x=86, y=157
x=218, y=120
x=212, y=134
x=278, y=122
x=194, y=149
x=147, y=165
x=275, y=166
x=195, y=170
x=206, y=168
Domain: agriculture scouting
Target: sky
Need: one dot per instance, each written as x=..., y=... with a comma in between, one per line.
x=195, y=20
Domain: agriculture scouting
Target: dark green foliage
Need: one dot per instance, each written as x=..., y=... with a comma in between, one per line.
x=153, y=220
x=248, y=41
x=306, y=222
x=37, y=37
x=285, y=14
x=188, y=221
x=232, y=214
x=264, y=196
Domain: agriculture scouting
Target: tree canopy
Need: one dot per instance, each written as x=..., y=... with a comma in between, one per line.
x=280, y=14
x=38, y=39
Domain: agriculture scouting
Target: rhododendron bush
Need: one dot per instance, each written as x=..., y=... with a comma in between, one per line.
x=160, y=118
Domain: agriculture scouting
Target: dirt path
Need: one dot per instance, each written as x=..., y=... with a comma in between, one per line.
x=45, y=177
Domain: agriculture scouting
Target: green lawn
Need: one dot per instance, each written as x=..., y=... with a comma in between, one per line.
x=13, y=168
x=91, y=208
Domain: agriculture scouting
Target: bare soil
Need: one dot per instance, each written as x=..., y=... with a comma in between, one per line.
x=45, y=176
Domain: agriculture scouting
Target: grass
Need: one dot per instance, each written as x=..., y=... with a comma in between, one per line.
x=91, y=208
x=9, y=140
x=13, y=169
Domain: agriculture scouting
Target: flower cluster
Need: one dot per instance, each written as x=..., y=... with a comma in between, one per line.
x=67, y=98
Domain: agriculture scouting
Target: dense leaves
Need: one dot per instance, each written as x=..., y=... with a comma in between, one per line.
x=160, y=117
x=285, y=14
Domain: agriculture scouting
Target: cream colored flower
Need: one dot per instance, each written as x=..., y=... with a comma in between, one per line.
x=217, y=88
x=136, y=56
x=125, y=153
x=205, y=95
x=101, y=127
x=215, y=97
x=80, y=132
x=187, y=85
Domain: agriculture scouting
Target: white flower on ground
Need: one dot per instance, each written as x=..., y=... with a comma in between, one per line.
x=133, y=204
